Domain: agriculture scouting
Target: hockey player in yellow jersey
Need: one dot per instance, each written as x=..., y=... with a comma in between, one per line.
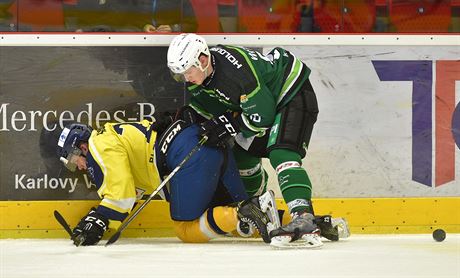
x=128, y=160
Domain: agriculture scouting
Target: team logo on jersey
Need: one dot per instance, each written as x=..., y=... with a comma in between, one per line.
x=243, y=98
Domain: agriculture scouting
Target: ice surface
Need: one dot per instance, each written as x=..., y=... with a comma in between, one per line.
x=358, y=256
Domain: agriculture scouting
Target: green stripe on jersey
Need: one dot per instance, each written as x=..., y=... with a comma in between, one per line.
x=252, y=69
x=294, y=74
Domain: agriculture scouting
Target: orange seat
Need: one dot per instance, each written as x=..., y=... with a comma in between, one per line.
x=420, y=15
x=252, y=16
x=207, y=16
x=359, y=16
x=285, y=16
x=262, y=16
x=350, y=16
x=41, y=15
x=327, y=16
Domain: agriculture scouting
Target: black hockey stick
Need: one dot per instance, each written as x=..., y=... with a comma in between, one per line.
x=60, y=219
x=123, y=226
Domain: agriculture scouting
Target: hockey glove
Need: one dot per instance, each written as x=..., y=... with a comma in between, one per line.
x=189, y=115
x=162, y=121
x=327, y=230
x=219, y=130
x=90, y=229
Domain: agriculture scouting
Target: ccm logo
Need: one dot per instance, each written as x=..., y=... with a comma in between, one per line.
x=228, y=125
x=169, y=138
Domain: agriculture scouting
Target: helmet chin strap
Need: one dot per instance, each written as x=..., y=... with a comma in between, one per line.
x=205, y=69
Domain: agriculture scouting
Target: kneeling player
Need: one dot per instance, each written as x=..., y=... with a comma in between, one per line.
x=127, y=160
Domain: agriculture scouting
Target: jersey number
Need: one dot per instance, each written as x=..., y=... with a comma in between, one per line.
x=119, y=129
x=255, y=118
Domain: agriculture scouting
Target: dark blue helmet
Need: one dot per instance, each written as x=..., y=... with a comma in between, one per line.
x=69, y=143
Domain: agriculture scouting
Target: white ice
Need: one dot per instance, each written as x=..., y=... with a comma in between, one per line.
x=385, y=256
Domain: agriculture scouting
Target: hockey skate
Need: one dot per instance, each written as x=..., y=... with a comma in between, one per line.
x=261, y=212
x=245, y=229
x=302, y=232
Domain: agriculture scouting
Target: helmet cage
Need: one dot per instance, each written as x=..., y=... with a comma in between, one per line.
x=69, y=144
x=71, y=159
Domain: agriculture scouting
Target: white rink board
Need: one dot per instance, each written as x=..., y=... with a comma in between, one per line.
x=402, y=256
x=361, y=144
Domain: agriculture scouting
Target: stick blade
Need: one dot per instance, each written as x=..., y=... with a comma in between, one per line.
x=113, y=238
x=60, y=219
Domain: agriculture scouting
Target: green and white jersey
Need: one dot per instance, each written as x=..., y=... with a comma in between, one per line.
x=250, y=83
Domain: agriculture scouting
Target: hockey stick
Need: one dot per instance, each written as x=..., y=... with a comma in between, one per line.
x=123, y=226
x=60, y=219
x=76, y=240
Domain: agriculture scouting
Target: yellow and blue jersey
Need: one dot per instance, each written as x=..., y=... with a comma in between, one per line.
x=121, y=162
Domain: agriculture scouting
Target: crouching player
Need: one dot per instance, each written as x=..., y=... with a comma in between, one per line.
x=127, y=160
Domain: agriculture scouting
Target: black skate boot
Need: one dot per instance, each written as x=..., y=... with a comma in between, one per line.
x=245, y=229
x=301, y=232
x=261, y=212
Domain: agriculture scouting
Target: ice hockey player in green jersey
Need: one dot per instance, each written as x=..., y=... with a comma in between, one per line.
x=267, y=104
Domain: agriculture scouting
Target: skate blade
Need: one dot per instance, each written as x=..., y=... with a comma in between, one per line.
x=342, y=227
x=307, y=241
x=267, y=203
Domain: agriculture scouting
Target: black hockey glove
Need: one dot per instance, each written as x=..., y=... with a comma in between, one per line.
x=90, y=229
x=327, y=230
x=162, y=121
x=189, y=115
x=219, y=130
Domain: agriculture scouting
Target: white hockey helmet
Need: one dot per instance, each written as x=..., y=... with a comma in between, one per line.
x=184, y=52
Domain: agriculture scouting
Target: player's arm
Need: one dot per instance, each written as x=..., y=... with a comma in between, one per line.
x=110, y=172
x=92, y=226
x=258, y=111
x=201, y=108
x=258, y=114
x=203, y=104
x=193, y=113
x=257, y=104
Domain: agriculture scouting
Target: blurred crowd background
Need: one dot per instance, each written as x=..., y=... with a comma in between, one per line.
x=216, y=16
